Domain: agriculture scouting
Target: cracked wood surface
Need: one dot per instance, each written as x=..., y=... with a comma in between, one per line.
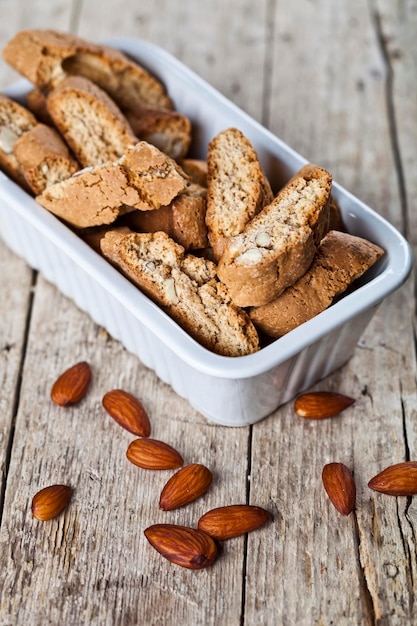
x=337, y=82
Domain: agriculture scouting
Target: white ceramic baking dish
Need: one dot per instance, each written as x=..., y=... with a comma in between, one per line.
x=230, y=391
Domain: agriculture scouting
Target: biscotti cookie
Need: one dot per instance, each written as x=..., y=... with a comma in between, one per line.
x=46, y=57
x=340, y=259
x=44, y=158
x=335, y=215
x=168, y=130
x=90, y=121
x=35, y=101
x=185, y=287
x=15, y=120
x=161, y=178
x=278, y=245
x=237, y=188
x=196, y=169
x=144, y=179
x=183, y=219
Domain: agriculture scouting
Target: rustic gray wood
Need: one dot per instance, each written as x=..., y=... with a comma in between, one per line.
x=337, y=83
x=17, y=281
x=12, y=339
x=345, y=571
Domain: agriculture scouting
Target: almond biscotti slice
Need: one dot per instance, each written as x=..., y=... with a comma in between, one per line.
x=44, y=158
x=168, y=130
x=15, y=120
x=185, y=287
x=46, y=57
x=183, y=219
x=35, y=101
x=144, y=178
x=237, y=188
x=196, y=169
x=278, y=245
x=335, y=214
x=90, y=121
x=340, y=259
x=161, y=178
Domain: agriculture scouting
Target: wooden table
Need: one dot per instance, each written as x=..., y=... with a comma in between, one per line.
x=337, y=81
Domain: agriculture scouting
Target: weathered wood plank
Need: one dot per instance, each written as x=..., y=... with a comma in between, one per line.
x=104, y=570
x=226, y=44
x=12, y=338
x=329, y=102
x=395, y=25
x=15, y=277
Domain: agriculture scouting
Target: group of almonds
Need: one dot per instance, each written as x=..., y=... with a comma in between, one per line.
x=196, y=548
x=396, y=480
x=193, y=548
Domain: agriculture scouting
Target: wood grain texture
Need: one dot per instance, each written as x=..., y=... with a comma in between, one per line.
x=338, y=84
x=98, y=544
x=15, y=277
x=213, y=38
x=12, y=344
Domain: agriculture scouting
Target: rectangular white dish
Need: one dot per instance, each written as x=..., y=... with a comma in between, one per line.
x=230, y=391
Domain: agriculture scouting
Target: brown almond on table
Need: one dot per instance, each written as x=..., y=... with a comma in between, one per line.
x=181, y=545
x=340, y=487
x=396, y=480
x=185, y=486
x=226, y=522
x=127, y=411
x=153, y=454
x=50, y=501
x=72, y=385
x=321, y=404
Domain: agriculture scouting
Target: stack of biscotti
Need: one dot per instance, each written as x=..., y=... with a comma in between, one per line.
x=86, y=93
x=285, y=267
x=185, y=286
x=144, y=179
x=99, y=144
x=341, y=258
x=279, y=260
x=237, y=187
x=277, y=246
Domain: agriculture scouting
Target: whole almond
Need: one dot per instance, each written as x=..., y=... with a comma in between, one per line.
x=181, y=545
x=321, y=404
x=72, y=385
x=127, y=411
x=396, y=480
x=340, y=487
x=153, y=454
x=226, y=522
x=185, y=486
x=50, y=501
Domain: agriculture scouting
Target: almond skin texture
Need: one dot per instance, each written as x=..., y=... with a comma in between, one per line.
x=186, y=485
x=72, y=385
x=50, y=501
x=340, y=487
x=153, y=454
x=397, y=480
x=319, y=405
x=226, y=522
x=181, y=545
x=127, y=411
